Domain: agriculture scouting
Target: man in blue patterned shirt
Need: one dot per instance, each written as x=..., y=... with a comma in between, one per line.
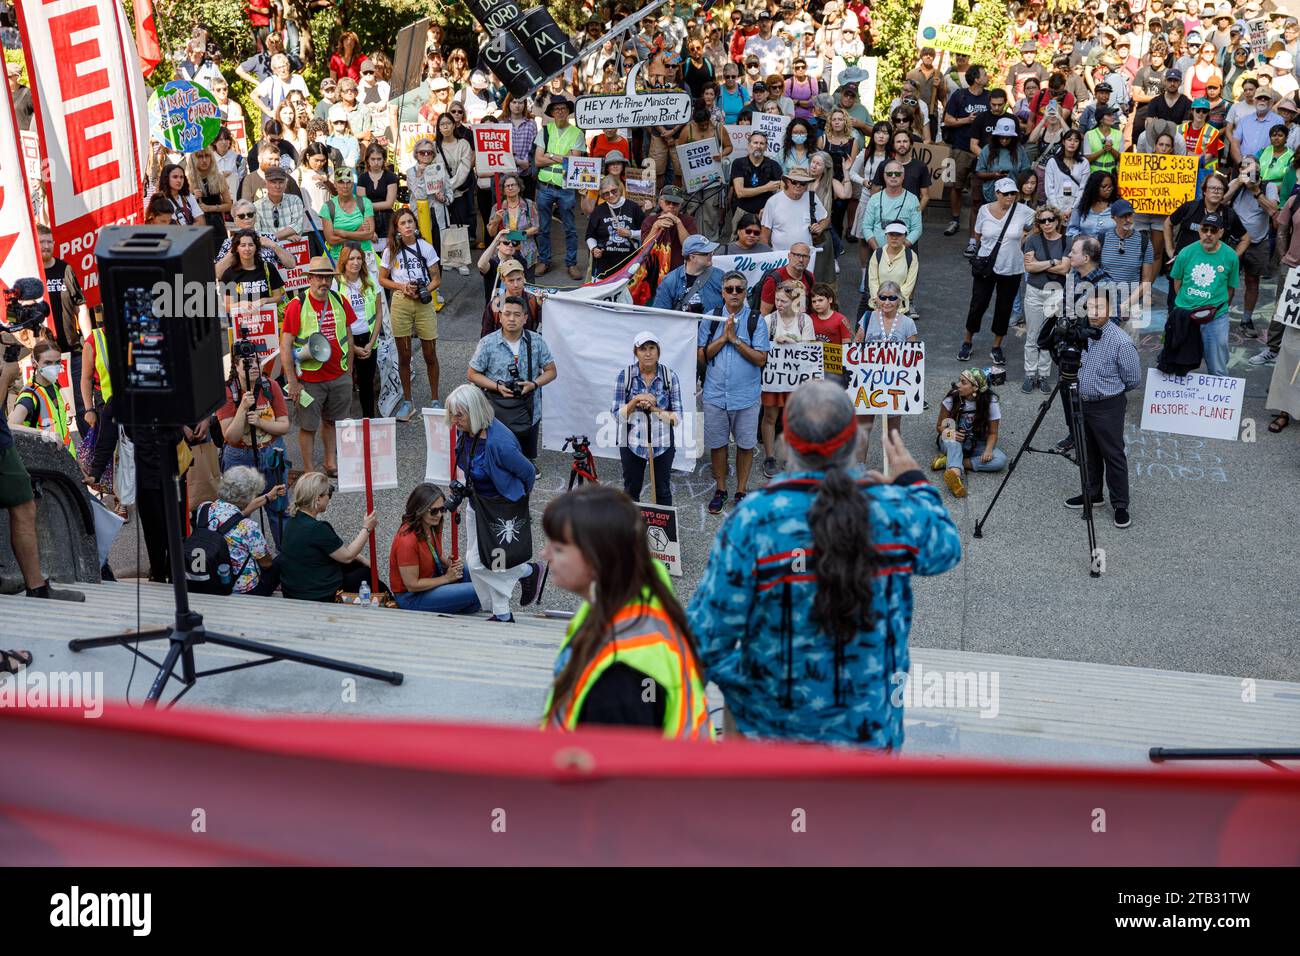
x=803, y=613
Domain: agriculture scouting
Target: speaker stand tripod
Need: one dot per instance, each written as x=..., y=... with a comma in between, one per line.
x=188, y=631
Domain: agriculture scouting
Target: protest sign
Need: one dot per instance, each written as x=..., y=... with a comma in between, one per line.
x=738, y=134
x=700, y=168
x=1258, y=37
x=955, y=38
x=632, y=109
x=383, y=454
x=832, y=358
x=938, y=160
x=591, y=343
x=661, y=535
x=791, y=364
x=239, y=132
x=1288, y=299
x=1207, y=406
x=31, y=145
x=408, y=61
x=757, y=264
x=296, y=278
x=184, y=116
x=582, y=172
x=934, y=14
x=637, y=184
x=437, y=442
x=886, y=378
x=408, y=134
x=492, y=149
x=259, y=324
x=773, y=126
x=1156, y=184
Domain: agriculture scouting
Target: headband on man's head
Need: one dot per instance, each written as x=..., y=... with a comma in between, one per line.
x=822, y=449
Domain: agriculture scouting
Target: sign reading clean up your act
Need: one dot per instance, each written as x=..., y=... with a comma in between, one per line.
x=886, y=378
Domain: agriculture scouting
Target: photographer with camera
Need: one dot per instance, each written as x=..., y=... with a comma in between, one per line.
x=420, y=577
x=23, y=326
x=254, y=421
x=498, y=481
x=410, y=271
x=1109, y=367
x=510, y=365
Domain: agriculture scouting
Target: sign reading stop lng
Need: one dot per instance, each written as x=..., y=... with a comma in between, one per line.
x=1157, y=184
x=1208, y=406
x=886, y=378
x=90, y=113
x=492, y=150
x=383, y=454
x=700, y=166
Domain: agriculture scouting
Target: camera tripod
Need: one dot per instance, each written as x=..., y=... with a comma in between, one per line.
x=583, y=467
x=1075, y=405
x=188, y=632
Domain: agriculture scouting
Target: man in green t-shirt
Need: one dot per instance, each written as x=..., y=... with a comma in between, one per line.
x=1206, y=274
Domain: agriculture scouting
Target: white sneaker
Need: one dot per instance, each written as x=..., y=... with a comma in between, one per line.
x=1263, y=357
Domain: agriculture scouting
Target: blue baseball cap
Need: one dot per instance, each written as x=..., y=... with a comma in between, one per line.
x=698, y=245
x=1121, y=207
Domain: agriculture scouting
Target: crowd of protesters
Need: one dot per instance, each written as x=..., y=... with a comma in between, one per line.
x=1034, y=147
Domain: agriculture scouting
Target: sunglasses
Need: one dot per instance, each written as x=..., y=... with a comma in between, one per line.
x=424, y=152
x=734, y=289
x=887, y=298
x=752, y=231
x=1046, y=219
x=367, y=72
x=893, y=173
x=609, y=192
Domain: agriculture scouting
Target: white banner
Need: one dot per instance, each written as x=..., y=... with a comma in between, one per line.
x=90, y=113
x=758, y=264
x=790, y=365
x=886, y=378
x=1208, y=406
x=437, y=443
x=591, y=343
x=383, y=454
x=20, y=255
x=700, y=168
x=1288, y=299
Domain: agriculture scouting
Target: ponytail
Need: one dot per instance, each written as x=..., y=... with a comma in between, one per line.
x=846, y=561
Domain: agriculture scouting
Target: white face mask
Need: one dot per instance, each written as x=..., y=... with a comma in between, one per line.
x=51, y=373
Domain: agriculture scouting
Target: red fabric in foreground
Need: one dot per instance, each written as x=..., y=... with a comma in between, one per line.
x=126, y=788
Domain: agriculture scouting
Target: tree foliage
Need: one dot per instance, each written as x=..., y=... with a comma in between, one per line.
x=992, y=47
x=894, y=31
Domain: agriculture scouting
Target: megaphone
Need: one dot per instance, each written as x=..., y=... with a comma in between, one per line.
x=316, y=348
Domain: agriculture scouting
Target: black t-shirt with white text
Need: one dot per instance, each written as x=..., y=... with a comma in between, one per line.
x=966, y=103
x=768, y=171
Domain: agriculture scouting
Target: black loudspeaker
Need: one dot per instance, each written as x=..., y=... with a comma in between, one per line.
x=162, y=319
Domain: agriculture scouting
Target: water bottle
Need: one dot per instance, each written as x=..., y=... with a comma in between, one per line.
x=363, y=594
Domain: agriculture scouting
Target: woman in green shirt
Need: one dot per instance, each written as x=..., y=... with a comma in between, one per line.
x=347, y=215
x=315, y=564
x=1275, y=163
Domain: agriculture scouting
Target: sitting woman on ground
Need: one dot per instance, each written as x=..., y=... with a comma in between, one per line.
x=422, y=579
x=629, y=631
x=315, y=564
x=240, y=493
x=888, y=322
x=969, y=416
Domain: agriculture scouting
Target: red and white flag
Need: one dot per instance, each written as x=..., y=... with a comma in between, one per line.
x=146, y=37
x=20, y=255
x=92, y=119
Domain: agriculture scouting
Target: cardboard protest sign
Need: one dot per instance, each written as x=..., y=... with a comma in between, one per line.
x=886, y=378
x=789, y=365
x=938, y=160
x=773, y=125
x=437, y=443
x=700, y=168
x=408, y=61
x=832, y=358
x=1258, y=37
x=296, y=278
x=632, y=109
x=184, y=116
x=1156, y=184
x=758, y=264
x=582, y=172
x=955, y=38
x=257, y=324
x=1208, y=406
x=662, y=535
x=1288, y=299
x=492, y=149
x=383, y=454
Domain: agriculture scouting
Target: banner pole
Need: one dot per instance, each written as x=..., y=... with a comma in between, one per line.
x=370, y=505
x=650, y=458
x=455, y=515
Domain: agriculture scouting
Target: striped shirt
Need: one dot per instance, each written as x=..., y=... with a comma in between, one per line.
x=1110, y=365
x=1122, y=258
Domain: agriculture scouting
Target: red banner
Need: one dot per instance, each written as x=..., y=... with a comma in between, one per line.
x=146, y=37
x=90, y=113
x=296, y=278
x=20, y=255
x=120, y=788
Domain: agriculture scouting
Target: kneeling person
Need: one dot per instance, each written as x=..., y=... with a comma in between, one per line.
x=421, y=578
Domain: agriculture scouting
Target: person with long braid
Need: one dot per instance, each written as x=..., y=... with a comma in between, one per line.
x=803, y=612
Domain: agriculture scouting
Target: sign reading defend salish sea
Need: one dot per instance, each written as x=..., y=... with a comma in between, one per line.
x=886, y=378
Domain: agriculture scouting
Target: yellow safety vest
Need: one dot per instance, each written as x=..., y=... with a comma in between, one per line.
x=368, y=300
x=105, y=382
x=557, y=142
x=309, y=323
x=51, y=415
x=644, y=638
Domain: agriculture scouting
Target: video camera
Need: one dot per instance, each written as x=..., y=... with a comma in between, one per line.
x=25, y=306
x=1069, y=339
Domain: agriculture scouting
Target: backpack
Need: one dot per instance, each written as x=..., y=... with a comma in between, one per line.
x=207, y=556
x=756, y=293
x=879, y=256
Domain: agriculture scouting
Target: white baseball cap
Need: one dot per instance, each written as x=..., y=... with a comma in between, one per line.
x=643, y=337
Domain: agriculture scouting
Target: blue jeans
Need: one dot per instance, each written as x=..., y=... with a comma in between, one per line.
x=1214, y=341
x=953, y=450
x=547, y=197
x=448, y=599
x=232, y=457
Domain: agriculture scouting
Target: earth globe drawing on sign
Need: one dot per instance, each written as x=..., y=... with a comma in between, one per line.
x=929, y=33
x=184, y=116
